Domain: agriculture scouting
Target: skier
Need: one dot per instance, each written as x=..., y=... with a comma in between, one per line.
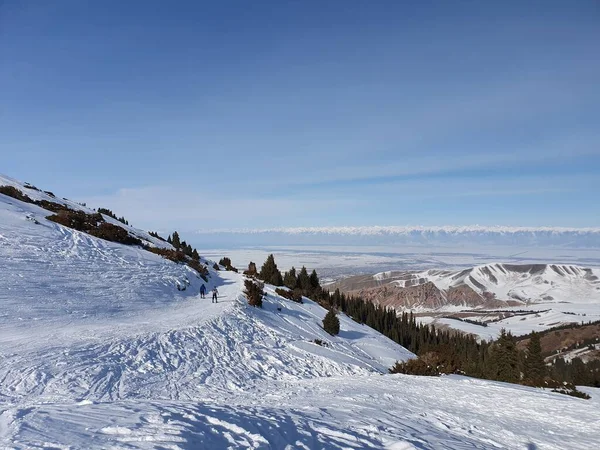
x=214, y=297
x=202, y=291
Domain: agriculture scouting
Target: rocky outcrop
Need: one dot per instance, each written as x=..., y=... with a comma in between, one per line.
x=426, y=296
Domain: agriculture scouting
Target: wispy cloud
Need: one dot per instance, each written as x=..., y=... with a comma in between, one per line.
x=167, y=208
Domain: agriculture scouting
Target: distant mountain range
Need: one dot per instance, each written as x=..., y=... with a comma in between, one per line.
x=490, y=285
x=397, y=235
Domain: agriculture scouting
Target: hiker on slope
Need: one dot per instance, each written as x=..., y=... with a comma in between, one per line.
x=202, y=291
x=215, y=295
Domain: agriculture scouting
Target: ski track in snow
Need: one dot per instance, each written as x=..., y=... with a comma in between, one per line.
x=99, y=349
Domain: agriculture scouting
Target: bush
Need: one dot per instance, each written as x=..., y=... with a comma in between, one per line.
x=78, y=220
x=179, y=257
x=198, y=267
x=172, y=255
x=94, y=225
x=294, y=295
x=157, y=236
x=254, y=292
x=109, y=213
x=572, y=392
x=226, y=262
x=415, y=367
x=51, y=206
x=31, y=186
x=331, y=323
x=13, y=192
x=251, y=272
x=113, y=233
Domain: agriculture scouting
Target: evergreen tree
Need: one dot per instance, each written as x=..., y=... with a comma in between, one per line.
x=331, y=323
x=169, y=240
x=535, y=368
x=175, y=240
x=314, y=281
x=303, y=281
x=289, y=279
x=269, y=272
x=580, y=373
x=504, y=361
x=195, y=255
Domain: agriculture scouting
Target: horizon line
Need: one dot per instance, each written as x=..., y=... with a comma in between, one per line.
x=393, y=229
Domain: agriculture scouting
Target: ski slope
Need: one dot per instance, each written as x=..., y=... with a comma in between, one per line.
x=109, y=346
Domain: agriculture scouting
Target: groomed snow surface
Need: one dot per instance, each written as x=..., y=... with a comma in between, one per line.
x=100, y=349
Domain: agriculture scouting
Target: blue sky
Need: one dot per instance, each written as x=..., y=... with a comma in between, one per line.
x=242, y=114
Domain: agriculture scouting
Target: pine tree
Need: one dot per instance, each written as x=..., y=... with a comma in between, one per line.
x=314, y=281
x=303, y=281
x=331, y=323
x=169, y=240
x=535, y=368
x=195, y=255
x=289, y=279
x=269, y=272
x=504, y=361
x=175, y=240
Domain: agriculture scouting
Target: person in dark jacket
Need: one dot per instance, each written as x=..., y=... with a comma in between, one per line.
x=215, y=295
x=202, y=291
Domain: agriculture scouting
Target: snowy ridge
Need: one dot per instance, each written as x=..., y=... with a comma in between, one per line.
x=37, y=194
x=534, y=283
x=542, y=295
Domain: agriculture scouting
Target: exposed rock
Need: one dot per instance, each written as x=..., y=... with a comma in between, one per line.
x=489, y=286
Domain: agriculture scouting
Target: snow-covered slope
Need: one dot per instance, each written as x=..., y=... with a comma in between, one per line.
x=36, y=194
x=87, y=319
x=100, y=347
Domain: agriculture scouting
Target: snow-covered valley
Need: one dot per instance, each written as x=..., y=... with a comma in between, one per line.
x=104, y=345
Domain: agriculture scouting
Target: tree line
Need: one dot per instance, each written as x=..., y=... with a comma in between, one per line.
x=440, y=350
